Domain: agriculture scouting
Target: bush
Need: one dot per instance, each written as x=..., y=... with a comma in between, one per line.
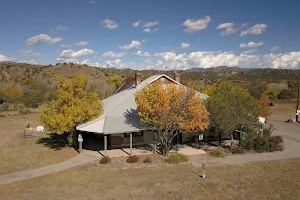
x=275, y=147
x=177, y=158
x=276, y=139
x=267, y=132
x=218, y=153
x=132, y=159
x=238, y=150
x=147, y=160
x=24, y=111
x=11, y=107
x=105, y=160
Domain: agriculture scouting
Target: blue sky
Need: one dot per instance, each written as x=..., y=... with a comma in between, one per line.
x=167, y=34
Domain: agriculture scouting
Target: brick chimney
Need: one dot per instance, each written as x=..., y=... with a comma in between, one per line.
x=177, y=77
x=138, y=78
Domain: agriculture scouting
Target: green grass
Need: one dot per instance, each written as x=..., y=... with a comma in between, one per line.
x=176, y=158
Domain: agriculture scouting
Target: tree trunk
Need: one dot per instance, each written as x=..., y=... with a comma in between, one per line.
x=231, y=142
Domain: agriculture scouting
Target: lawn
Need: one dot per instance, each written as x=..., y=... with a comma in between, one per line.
x=19, y=153
x=267, y=180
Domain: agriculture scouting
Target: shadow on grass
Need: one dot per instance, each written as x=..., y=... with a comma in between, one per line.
x=54, y=141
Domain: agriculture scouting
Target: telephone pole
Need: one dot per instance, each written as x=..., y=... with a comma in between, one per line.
x=298, y=95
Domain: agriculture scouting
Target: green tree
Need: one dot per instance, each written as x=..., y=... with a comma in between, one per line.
x=230, y=107
x=75, y=104
x=115, y=80
x=171, y=111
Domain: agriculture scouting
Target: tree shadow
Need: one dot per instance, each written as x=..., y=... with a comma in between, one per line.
x=132, y=118
x=54, y=141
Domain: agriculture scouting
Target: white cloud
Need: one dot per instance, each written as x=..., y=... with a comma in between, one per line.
x=5, y=58
x=65, y=46
x=230, y=28
x=109, y=24
x=83, y=43
x=149, y=24
x=133, y=45
x=185, y=45
x=287, y=60
x=251, y=45
x=195, y=25
x=62, y=28
x=92, y=2
x=225, y=25
x=137, y=23
x=275, y=48
x=70, y=55
x=140, y=53
x=251, y=51
x=111, y=54
x=42, y=38
x=115, y=63
x=147, y=60
x=257, y=29
x=33, y=62
x=148, y=30
x=31, y=53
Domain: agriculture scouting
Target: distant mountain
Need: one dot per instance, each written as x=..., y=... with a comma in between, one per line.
x=219, y=68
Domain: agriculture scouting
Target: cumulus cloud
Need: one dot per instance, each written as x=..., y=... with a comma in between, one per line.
x=230, y=28
x=5, y=58
x=62, y=28
x=144, y=54
x=150, y=24
x=137, y=23
x=251, y=45
x=83, y=43
x=287, y=60
x=251, y=51
x=195, y=25
x=70, y=55
x=42, y=38
x=275, y=48
x=133, y=45
x=109, y=24
x=149, y=30
x=257, y=29
x=65, y=46
x=185, y=45
x=31, y=53
x=92, y=2
x=111, y=54
x=33, y=62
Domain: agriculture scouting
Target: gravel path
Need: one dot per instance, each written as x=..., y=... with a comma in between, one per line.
x=80, y=159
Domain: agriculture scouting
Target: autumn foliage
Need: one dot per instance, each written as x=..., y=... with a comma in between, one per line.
x=75, y=104
x=171, y=109
x=263, y=103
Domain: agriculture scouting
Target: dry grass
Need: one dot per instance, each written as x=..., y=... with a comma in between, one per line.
x=19, y=153
x=268, y=180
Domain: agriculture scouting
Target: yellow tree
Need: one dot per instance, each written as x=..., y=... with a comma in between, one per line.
x=171, y=110
x=12, y=95
x=75, y=104
x=263, y=104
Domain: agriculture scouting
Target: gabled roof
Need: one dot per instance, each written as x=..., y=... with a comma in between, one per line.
x=120, y=111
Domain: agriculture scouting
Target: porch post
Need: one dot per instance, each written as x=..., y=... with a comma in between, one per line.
x=105, y=145
x=130, y=143
x=154, y=149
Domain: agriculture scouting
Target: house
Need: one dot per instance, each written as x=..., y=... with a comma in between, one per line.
x=119, y=125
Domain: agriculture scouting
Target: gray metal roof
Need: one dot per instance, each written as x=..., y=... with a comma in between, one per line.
x=120, y=112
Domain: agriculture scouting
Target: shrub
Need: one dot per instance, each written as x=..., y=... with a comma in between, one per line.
x=275, y=147
x=238, y=150
x=218, y=153
x=105, y=160
x=132, y=159
x=276, y=139
x=267, y=132
x=177, y=158
x=24, y=111
x=147, y=160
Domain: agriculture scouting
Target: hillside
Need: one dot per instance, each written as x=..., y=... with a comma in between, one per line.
x=11, y=73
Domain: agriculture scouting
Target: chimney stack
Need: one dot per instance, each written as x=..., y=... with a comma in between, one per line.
x=138, y=78
x=177, y=77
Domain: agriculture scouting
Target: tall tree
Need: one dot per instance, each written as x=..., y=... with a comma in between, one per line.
x=171, y=110
x=75, y=104
x=263, y=104
x=230, y=107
